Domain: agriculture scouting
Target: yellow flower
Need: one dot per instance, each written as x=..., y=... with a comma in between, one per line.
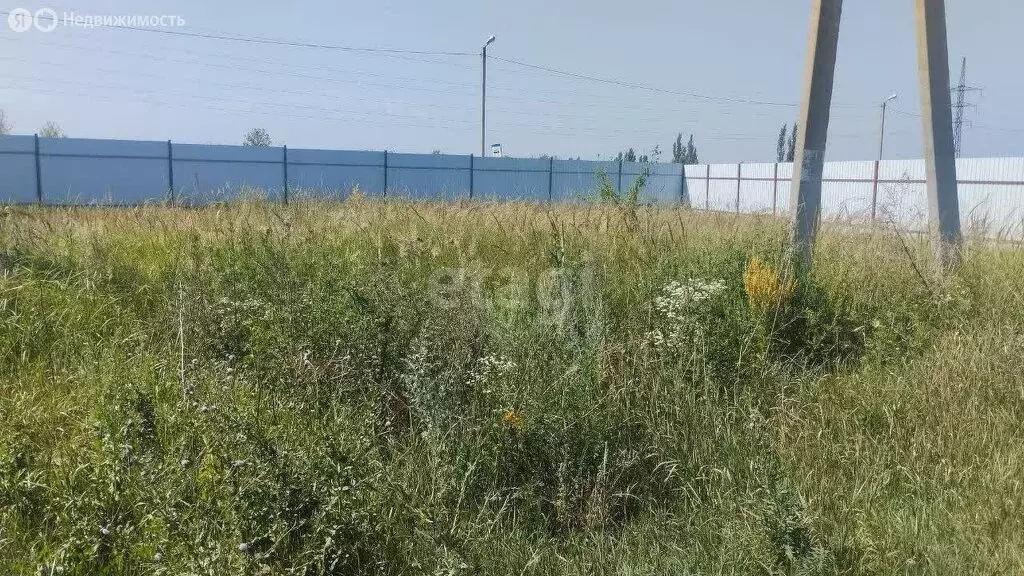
x=764, y=287
x=513, y=419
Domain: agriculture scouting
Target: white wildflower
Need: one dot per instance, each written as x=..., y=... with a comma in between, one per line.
x=496, y=365
x=489, y=369
x=677, y=296
x=677, y=305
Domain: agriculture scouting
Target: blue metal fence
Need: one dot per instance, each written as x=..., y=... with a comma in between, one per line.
x=71, y=171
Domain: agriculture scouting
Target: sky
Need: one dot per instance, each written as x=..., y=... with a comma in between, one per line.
x=727, y=71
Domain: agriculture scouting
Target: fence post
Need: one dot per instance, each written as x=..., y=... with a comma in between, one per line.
x=551, y=177
x=470, y=176
x=739, y=185
x=775, y=188
x=619, y=189
x=170, y=171
x=682, y=185
x=707, y=188
x=874, y=192
x=39, y=173
x=285, y=164
x=384, y=192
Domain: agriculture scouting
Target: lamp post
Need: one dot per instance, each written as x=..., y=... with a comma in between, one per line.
x=881, y=143
x=483, y=98
x=881, y=131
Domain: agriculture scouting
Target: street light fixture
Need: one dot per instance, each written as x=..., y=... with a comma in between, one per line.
x=881, y=131
x=483, y=96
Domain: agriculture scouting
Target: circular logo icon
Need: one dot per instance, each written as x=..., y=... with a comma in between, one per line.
x=19, y=19
x=46, y=20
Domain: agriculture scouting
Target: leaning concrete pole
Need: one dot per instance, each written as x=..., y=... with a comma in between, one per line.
x=809, y=160
x=936, y=110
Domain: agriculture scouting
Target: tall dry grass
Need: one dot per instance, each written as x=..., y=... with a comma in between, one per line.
x=458, y=389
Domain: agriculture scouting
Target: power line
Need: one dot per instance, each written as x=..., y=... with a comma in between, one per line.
x=145, y=96
x=724, y=99
x=253, y=88
x=139, y=96
x=203, y=97
x=905, y=113
x=265, y=71
x=249, y=87
x=271, y=41
x=389, y=51
x=200, y=60
x=661, y=110
x=999, y=129
x=590, y=99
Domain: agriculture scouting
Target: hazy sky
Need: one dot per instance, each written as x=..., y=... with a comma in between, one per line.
x=111, y=83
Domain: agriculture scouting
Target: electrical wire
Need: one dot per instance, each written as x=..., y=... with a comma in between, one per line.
x=624, y=84
x=270, y=41
x=699, y=97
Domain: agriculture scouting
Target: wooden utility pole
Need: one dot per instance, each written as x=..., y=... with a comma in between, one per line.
x=939, y=149
x=809, y=161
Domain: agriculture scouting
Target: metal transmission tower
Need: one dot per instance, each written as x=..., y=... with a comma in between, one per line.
x=961, y=104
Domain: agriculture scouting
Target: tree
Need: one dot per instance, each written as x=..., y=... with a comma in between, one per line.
x=684, y=154
x=5, y=128
x=627, y=156
x=51, y=130
x=678, y=150
x=691, y=153
x=257, y=137
x=791, y=151
x=780, y=151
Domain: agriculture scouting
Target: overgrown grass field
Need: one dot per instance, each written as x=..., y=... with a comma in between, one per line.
x=386, y=388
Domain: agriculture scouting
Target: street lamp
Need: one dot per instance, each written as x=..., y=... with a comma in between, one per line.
x=881, y=132
x=881, y=143
x=483, y=97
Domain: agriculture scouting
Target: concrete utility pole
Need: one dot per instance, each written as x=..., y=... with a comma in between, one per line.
x=936, y=112
x=809, y=161
x=483, y=99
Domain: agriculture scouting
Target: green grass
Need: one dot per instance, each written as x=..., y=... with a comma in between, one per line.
x=369, y=388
